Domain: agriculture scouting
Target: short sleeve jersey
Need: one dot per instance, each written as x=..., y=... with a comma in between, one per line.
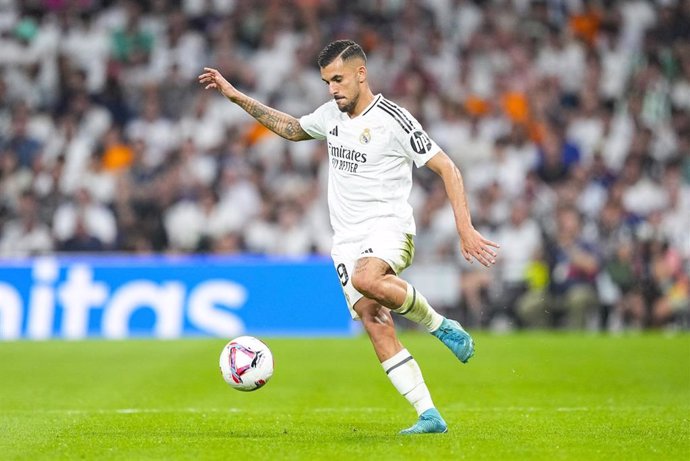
x=371, y=157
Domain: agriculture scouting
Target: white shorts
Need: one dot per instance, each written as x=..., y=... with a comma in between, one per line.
x=396, y=249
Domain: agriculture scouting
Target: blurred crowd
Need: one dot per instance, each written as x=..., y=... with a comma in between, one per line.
x=570, y=120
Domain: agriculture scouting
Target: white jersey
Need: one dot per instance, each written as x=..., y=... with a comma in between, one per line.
x=371, y=157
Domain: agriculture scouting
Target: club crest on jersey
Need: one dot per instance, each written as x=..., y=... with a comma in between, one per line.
x=365, y=137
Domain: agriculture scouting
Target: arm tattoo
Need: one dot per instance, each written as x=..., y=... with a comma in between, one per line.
x=280, y=123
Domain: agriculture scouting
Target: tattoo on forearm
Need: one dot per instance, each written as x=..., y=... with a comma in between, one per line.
x=280, y=123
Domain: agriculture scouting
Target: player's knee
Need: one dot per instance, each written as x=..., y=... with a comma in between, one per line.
x=365, y=284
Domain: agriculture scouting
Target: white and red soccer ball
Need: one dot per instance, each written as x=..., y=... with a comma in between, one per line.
x=246, y=363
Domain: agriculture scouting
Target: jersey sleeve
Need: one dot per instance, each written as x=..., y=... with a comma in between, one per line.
x=413, y=140
x=315, y=123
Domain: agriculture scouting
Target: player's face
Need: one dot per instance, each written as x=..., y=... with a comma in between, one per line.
x=343, y=80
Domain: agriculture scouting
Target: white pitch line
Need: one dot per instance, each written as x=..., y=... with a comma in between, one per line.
x=125, y=411
x=349, y=410
x=194, y=410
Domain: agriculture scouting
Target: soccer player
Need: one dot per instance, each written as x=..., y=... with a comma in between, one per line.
x=372, y=143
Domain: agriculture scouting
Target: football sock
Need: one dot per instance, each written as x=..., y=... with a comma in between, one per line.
x=407, y=378
x=417, y=309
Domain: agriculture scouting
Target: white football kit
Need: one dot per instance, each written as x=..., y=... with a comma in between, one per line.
x=369, y=182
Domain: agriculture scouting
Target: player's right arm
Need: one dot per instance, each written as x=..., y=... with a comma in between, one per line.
x=280, y=123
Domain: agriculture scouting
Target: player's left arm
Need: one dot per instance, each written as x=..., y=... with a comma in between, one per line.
x=472, y=243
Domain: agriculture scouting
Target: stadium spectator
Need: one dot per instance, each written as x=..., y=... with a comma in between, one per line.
x=522, y=244
x=81, y=241
x=26, y=234
x=20, y=142
x=154, y=128
x=82, y=214
x=574, y=264
x=557, y=157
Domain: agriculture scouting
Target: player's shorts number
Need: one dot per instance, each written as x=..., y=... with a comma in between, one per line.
x=342, y=274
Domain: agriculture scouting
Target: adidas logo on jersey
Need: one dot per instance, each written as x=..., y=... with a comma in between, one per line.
x=368, y=250
x=334, y=131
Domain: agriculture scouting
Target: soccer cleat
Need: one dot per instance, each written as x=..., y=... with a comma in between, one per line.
x=456, y=339
x=429, y=422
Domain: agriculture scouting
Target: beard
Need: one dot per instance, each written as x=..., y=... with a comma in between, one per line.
x=348, y=107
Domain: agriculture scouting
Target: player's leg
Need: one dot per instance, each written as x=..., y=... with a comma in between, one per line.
x=378, y=324
x=401, y=368
x=375, y=278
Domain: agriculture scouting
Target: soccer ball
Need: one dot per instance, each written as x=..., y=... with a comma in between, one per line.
x=246, y=363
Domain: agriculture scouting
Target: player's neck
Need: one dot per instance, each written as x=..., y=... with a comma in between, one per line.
x=364, y=100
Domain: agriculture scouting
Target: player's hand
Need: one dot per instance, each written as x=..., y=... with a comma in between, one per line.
x=474, y=245
x=215, y=81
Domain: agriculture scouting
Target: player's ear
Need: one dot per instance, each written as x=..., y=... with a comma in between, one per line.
x=362, y=74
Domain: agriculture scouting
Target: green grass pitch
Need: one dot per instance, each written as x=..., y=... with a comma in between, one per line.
x=524, y=396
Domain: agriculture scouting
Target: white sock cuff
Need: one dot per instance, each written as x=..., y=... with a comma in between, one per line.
x=435, y=323
x=394, y=362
